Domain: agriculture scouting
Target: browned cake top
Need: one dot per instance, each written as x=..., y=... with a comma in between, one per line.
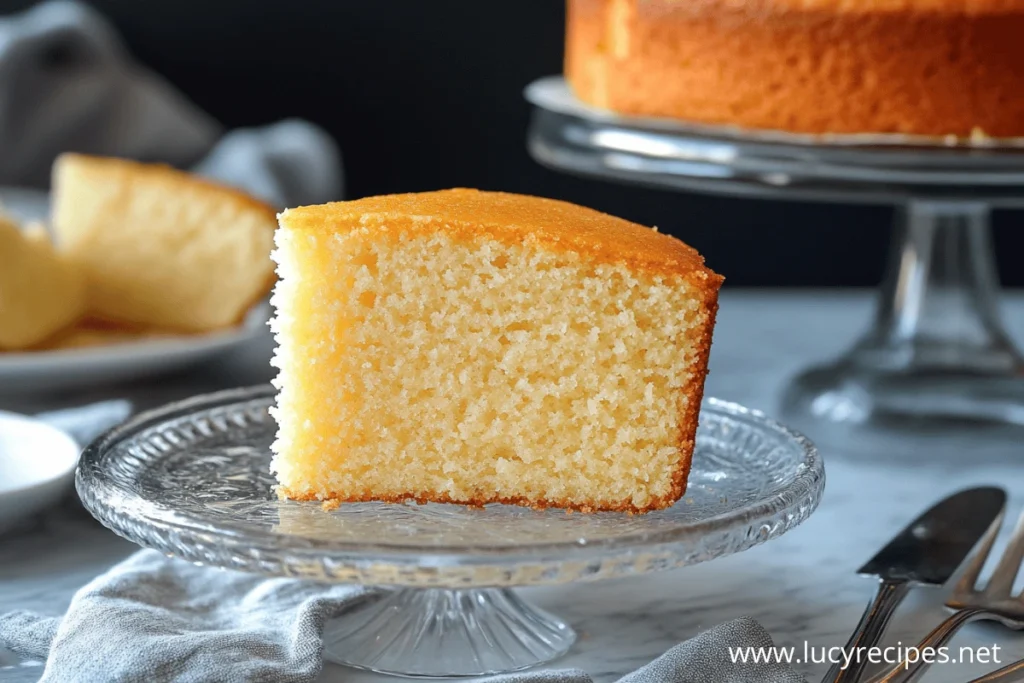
x=113, y=169
x=513, y=218
x=963, y=7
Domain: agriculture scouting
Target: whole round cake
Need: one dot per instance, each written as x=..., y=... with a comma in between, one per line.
x=923, y=67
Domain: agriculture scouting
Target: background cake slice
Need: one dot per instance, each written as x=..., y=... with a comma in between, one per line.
x=477, y=347
x=41, y=293
x=160, y=247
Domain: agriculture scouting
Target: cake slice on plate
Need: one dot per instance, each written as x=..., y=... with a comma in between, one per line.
x=477, y=347
x=41, y=293
x=160, y=247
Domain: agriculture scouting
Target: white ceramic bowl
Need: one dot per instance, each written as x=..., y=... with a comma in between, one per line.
x=37, y=464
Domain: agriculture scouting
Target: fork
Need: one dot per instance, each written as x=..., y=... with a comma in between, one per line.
x=972, y=602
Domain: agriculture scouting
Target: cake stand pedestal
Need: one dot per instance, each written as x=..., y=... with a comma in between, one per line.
x=937, y=347
x=192, y=480
x=443, y=633
x=937, y=353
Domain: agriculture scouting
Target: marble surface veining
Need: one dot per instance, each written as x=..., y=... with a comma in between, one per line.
x=801, y=587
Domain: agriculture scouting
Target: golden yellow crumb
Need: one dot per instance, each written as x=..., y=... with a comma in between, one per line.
x=477, y=347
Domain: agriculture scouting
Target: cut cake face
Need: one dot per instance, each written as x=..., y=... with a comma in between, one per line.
x=473, y=347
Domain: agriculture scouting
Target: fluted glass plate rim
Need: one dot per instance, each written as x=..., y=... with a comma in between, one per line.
x=151, y=524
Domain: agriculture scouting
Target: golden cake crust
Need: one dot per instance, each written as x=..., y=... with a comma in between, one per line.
x=922, y=67
x=171, y=178
x=557, y=226
x=513, y=218
x=334, y=500
x=954, y=7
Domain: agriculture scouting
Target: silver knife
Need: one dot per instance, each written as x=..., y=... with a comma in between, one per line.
x=926, y=553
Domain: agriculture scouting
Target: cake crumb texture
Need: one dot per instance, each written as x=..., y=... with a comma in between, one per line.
x=160, y=247
x=474, y=347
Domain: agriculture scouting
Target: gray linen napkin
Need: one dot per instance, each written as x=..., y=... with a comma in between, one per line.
x=153, y=619
x=83, y=424
x=67, y=83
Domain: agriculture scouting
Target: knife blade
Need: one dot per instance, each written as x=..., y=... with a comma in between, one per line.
x=925, y=553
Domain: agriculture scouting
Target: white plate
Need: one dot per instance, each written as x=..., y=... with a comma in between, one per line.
x=40, y=371
x=37, y=371
x=37, y=464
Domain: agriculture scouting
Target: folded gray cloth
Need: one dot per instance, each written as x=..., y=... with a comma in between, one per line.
x=83, y=424
x=152, y=619
x=67, y=83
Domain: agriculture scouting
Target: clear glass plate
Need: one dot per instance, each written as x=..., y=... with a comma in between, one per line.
x=192, y=479
x=568, y=135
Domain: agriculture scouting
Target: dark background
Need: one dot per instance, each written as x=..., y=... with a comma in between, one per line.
x=426, y=94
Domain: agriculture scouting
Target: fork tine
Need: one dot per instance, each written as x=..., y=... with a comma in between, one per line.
x=1001, y=583
x=968, y=582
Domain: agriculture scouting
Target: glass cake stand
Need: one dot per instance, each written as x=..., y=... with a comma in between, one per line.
x=937, y=352
x=192, y=480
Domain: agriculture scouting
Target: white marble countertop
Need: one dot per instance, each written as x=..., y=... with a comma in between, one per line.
x=801, y=587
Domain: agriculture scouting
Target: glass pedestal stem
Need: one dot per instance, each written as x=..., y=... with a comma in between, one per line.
x=937, y=349
x=438, y=633
x=938, y=305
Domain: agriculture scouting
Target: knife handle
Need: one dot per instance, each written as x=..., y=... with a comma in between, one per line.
x=869, y=630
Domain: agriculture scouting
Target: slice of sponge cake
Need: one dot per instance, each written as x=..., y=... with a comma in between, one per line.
x=40, y=291
x=160, y=247
x=477, y=347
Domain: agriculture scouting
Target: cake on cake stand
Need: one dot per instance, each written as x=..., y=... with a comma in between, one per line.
x=937, y=352
x=193, y=480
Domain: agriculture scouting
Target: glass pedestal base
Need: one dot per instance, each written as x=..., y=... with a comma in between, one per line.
x=937, y=357
x=845, y=393
x=437, y=633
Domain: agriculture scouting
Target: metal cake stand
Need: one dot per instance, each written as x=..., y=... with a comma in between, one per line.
x=937, y=352
x=192, y=479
